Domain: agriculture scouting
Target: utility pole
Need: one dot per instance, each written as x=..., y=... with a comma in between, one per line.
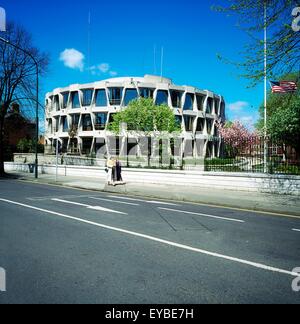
x=265, y=90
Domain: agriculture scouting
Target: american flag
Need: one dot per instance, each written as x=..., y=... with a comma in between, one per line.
x=284, y=86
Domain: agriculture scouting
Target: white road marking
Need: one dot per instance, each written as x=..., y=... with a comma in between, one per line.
x=145, y=201
x=114, y=201
x=88, y=206
x=203, y=215
x=296, y=230
x=155, y=239
x=58, y=197
x=160, y=203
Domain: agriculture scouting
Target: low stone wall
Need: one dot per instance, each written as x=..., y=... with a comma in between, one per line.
x=62, y=160
x=188, y=180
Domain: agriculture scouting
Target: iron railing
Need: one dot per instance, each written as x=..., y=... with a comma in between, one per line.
x=236, y=155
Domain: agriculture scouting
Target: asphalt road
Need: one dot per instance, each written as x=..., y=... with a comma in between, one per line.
x=60, y=245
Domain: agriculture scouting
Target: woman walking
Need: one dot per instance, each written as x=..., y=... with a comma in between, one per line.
x=110, y=166
x=119, y=171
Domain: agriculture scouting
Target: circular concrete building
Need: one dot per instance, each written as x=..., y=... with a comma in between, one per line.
x=78, y=116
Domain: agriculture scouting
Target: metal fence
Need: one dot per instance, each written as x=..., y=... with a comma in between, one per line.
x=249, y=156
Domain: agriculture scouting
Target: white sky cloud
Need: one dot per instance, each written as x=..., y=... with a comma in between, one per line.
x=72, y=59
x=113, y=73
x=238, y=106
x=102, y=68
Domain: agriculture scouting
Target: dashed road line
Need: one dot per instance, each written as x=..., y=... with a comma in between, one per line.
x=114, y=201
x=144, y=201
x=203, y=215
x=88, y=206
x=162, y=241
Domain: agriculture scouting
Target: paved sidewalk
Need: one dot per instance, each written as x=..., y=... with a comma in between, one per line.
x=284, y=204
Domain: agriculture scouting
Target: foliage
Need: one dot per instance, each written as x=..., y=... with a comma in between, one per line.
x=236, y=136
x=142, y=115
x=283, y=43
x=283, y=116
x=28, y=146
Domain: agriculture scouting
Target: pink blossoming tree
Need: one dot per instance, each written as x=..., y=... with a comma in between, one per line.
x=237, y=137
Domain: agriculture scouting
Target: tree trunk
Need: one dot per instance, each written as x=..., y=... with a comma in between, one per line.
x=2, y=173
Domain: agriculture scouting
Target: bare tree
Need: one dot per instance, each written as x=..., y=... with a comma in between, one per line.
x=17, y=75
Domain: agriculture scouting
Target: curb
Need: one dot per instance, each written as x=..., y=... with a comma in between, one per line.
x=178, y=198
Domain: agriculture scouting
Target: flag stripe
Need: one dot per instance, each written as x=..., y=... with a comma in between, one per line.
x=284, y=86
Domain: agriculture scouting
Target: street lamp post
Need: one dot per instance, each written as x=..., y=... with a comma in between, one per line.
x=37, y=99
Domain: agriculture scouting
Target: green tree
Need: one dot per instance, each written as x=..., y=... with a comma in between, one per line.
x=283, y=122
x=283, y=42
x=142, y=115
x=28, y=146
x=23, y=145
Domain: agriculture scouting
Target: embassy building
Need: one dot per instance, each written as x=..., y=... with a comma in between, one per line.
x=78, y=117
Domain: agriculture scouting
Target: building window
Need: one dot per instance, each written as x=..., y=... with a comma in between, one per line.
x=146, y=93
x=75, y=100
x=189, y=123
x=50, y=129
x=86, y=145
x=209, y=106
x=222, y=110
x=200, y=125
x=100, y=121
x=130, y=94
x=56, y=103
x=75, y=120
x=178, y=120
x=162, y=97
x=101, y=100
x=87, y=96
x=115, y=96
x=209, y=126
x=111, y=118
x=189, y=102
x=64, y=123
x=65, y=99
x=100, y=146
x=87, y=125
x=73, y=147
x=209, y=151
x=217, y=105
x=56, y=125
x=189, y=148
x=176, y=99
x=200, y=102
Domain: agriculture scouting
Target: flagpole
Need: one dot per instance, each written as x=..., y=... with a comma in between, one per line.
x=265, y=90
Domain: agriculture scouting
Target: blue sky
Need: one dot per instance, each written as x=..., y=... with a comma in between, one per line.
x=122, y=39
